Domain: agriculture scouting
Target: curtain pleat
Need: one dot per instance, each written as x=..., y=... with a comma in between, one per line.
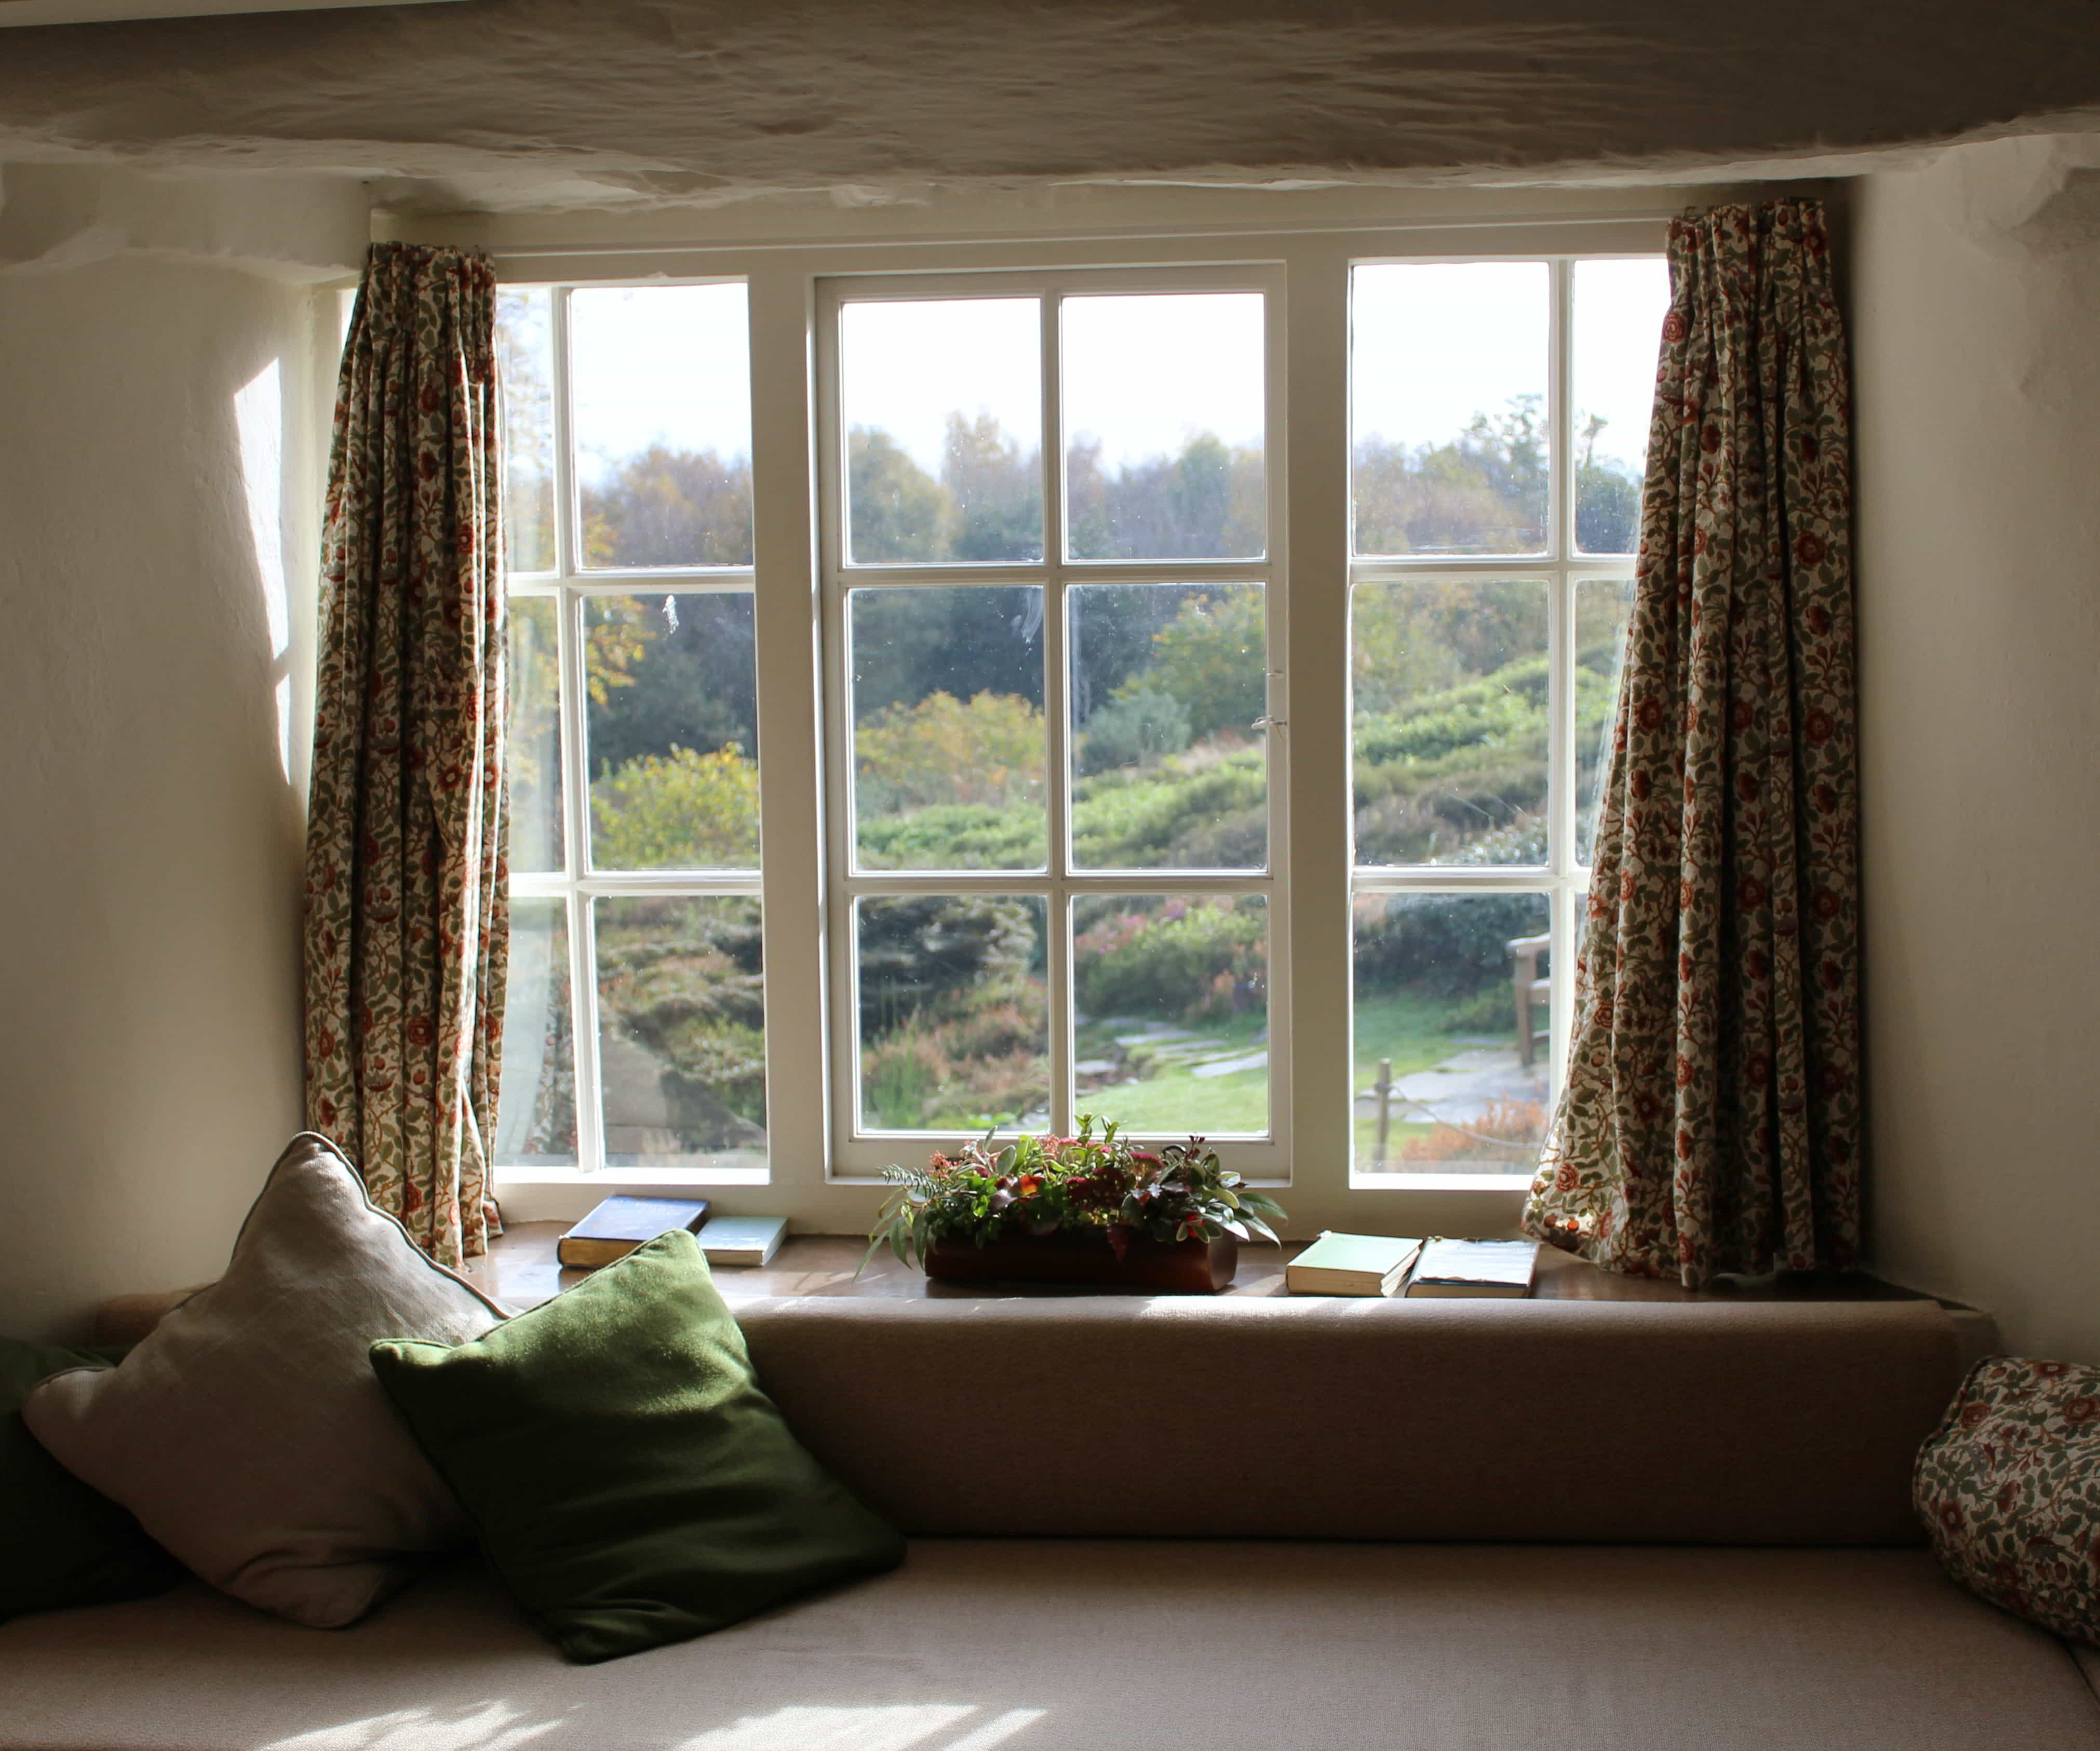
x=406, y=910
x=1709, y=1120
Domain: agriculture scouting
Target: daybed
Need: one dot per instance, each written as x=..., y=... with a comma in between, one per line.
x=1233, y=1525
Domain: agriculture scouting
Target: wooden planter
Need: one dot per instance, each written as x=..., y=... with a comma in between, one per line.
x=1083, y=1258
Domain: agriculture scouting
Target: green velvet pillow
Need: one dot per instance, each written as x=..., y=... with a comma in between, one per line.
x=630, y=1482
x=62, y=1543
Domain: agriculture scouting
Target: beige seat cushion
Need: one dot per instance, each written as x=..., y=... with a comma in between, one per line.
x=1026, y=1645
x=248, y=1433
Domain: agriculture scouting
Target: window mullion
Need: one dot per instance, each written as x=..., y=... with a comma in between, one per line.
x=1056, y=723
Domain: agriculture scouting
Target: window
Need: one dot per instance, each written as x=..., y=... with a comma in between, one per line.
x=1498, y=416
x=634, y=1033
x=971, y=578
x=1050, y=607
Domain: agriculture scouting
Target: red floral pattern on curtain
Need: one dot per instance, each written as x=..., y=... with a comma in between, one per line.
x=1710, y=1119
x=406, y=926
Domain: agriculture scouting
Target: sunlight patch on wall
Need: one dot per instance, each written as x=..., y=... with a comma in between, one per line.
x=258, y=418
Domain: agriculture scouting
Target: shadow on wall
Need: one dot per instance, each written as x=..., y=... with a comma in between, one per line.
x=154, y=463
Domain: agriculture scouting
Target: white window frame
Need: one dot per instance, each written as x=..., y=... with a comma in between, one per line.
x=854, y=1149
x=1562, y=879
x=830, y=1191
x=578, y=884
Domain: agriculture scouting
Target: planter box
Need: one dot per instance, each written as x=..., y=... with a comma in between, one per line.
x=1085, y=1259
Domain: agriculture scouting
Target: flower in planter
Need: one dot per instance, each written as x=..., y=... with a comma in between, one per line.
x=1086, y=1184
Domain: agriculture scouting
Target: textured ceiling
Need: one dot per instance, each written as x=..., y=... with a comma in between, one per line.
x=514, y=104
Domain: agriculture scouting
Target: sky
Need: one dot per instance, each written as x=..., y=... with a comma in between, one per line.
x=1434, y=343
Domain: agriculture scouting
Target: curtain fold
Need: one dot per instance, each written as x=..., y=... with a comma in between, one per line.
x=406, y=905
x=1709, y=1120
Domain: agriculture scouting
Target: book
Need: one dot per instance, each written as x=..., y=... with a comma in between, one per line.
x=621, y=1224
x=743, y=1240
x=1491, y=1268
x=1351, y=1264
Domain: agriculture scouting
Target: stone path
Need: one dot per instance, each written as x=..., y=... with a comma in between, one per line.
x=1462, y=1089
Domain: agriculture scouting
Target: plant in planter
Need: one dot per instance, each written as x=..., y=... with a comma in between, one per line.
x=1086, y=1209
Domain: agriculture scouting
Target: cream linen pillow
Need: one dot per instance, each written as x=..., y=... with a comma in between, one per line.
x=247, y=1432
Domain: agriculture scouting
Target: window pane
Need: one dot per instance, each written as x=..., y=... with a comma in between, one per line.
x=1452, y=1065
x=954, y=1020
x=1619, y=308
x=535, y=1121
x=1451, y=728
x=1603, y=607
x=525, y=360
x=1168, y=770
x=661, y=404
x=1172, y=993
x=535, y=737
x=1163, y=416
x=671, y=731
x=941, y=399
x=950, y=759
x=682, y=1032
x=1448, y=431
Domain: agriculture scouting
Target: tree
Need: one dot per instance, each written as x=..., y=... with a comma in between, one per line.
x=898, y=512
x=995, y=492
x=667, y=507
x=1483, y=491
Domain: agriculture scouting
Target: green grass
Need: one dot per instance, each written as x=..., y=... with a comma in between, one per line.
x=1171, y=1099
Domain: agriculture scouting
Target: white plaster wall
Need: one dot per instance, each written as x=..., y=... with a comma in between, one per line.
x=1976, y=325
x=155, y=417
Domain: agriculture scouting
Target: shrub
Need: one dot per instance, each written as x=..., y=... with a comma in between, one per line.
x=1133, y=729
x=1509, y=1131
x=1202, y=959
x=680, y=809
x=989, y=752
x=939, y=955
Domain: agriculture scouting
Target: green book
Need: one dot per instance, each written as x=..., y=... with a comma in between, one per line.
x=1351, y=1264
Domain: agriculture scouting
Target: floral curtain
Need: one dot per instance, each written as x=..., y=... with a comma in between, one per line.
x=1710, y=1119
x=405, y=903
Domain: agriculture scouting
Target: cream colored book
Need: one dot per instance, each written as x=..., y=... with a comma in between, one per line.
x=1351, y=1264
x=1476, y=1267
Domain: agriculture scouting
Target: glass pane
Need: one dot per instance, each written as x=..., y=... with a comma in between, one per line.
x=682, y=1032
x=1603, y=607
x=1453, y=1062
x=525, y=364
x=954, y=1019
x=535, y=737
x=1163, y=417
x=536, y=1120
x=1447, y=433
x=1168, y=770
x=949, y=760
x=1451, y=728
x=1619, y=308
x=1172, y=995
x=943, y=404
x=661, y=403
x=671, y=727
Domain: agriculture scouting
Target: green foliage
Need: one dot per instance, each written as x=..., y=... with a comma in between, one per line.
x=1483, y=491
x=1134, y=727
x=984, y=1066
x=1190, y=811
x=681, y=978
x=1211, y=657
x=1206, y=503
x=899, y=511
x=1450, y=944
x=1038, y=1185
x=1191, y=958
x=989, y=752
x=940, y=954
x=682, y=810
x=669, y=507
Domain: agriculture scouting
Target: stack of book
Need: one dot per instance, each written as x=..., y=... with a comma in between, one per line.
x=623, y=1223
x=1379, y=1264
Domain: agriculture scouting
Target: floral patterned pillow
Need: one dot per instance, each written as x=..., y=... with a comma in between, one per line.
x=2009, y=1485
